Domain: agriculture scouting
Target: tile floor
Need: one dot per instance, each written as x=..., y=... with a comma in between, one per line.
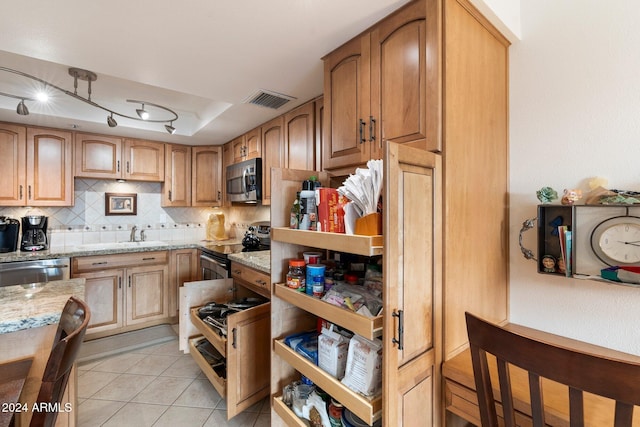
x=155, y=386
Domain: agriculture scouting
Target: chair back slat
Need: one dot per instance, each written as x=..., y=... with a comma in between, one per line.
x=506, y=394
x=581, y=371
x=576, y=407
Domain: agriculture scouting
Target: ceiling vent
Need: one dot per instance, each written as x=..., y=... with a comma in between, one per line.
x=265, y=98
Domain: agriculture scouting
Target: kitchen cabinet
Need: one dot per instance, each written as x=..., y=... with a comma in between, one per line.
x=124, y=291
x=36, y=167
x=272, y=135
x=176, y=188
x=244, y=348
x=247, y=146
x=252, y=279
x=300, y=137
x=411, y=311
x=377, y=87
x=183, y=267
x=227, y=159
x=462, y=114
x=103, y=157
x=206, y=176
x=319, y=106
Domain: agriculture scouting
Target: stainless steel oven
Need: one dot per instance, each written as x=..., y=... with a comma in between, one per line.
x=214, y=266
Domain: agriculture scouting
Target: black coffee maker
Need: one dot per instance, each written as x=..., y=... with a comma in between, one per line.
x=9, y=231
x=34, y=233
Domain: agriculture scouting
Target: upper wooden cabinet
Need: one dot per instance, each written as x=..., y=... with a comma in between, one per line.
x=273, y=153
x=143, y=160
x=99, y=156
x=206, y=176
x=300, y=138
x=247, y=146
x=176, y=189
x=376, y=89
x=36, y=165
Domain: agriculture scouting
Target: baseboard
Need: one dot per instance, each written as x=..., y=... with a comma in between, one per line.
x=127, y=341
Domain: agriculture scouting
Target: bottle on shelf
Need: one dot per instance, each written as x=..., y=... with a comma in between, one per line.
x=308, y=209
x=294, y=222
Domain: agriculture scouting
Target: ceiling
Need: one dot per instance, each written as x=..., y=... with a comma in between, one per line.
x=201, y=59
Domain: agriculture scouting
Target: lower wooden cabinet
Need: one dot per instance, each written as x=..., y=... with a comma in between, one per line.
x=183, y=267
x=244, y=377
x=124, y=291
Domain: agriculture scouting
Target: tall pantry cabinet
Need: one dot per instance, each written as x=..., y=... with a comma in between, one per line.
x=458, y=109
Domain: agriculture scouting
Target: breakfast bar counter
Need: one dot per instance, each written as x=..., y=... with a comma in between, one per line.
x=29, y=317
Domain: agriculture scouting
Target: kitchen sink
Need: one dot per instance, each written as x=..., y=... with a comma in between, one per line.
x=120, y=245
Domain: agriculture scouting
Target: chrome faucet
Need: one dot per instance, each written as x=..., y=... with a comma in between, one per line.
x=142, y=236
x=132, y=237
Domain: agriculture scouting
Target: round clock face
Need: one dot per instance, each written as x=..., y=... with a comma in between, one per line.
x=617, y=240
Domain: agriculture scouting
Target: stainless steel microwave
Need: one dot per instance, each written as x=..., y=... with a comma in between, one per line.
x=244, y=181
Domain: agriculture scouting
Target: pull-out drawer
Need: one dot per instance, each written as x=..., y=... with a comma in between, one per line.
x=256, y=280
x=86, y=264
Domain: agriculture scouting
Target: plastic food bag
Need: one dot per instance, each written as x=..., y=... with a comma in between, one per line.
x=363, y=372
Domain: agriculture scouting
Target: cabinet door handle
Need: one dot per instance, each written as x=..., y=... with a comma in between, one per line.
x=261, y=282
x=237, y=272
x=148, y=259
x=20, y=192
x=100, y=263
x=372, y=129
x=170, y=196
x=219, y=195
x=235, y=336
x=361, y=131
x=129, y=281
x=119, y=282
x=118, y=166
x=29, y=191
x=400, y=316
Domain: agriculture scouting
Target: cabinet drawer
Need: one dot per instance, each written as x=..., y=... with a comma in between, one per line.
x=259, y=281
x=131, y=259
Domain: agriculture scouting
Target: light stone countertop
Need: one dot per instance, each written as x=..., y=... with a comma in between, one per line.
x=259, y=260
x=40, y=304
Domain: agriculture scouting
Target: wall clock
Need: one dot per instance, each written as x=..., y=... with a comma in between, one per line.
x=616, y=240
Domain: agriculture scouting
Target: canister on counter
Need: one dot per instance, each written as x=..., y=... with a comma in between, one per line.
x=313, y=271
x=296, y=275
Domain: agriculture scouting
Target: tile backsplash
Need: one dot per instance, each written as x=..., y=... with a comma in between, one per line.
x=85, y=222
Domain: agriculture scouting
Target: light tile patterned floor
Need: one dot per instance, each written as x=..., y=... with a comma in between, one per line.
x=155, y=386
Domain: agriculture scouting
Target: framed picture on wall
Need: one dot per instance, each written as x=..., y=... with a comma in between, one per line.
x=120, y=204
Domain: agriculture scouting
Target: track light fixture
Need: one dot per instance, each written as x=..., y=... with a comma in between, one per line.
x=89, y=77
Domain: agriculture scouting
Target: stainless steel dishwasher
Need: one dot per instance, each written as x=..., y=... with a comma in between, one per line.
x=24, y=272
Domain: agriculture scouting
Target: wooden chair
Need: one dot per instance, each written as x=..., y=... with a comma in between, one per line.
x=615, y=379
x=66, y=344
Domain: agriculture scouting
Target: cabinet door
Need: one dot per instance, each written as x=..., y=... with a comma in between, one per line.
x=97, y=156
x=143, y=160
x=13, y=157
x=272, y=140
x=412, y=266
x=147, y=293
x=239, y=149
x=399, y=80
x=183, y=268
x=346, y=103
x=253, y=143
x=248, y=347
x=103, y=292
x=176, y=189
x=319, y=105
x=206, y=176
x=49, y=168
x=299, y=138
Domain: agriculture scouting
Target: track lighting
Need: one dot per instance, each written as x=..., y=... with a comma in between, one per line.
x=89, y=77
x=22, y=108
x=170, y=128
x=142, y=113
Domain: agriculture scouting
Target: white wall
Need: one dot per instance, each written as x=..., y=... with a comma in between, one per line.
x=504, y=14
x=574, y=114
